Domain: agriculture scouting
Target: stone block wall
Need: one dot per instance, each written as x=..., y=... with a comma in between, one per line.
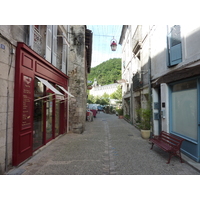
x=7, y=72
x=77, y=79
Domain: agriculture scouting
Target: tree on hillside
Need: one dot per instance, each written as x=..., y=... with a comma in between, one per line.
x=117, y=94
x=102, y=100
x=107, y=72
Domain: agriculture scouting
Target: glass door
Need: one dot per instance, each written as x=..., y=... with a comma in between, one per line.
x=57, y=116
x=48, y=113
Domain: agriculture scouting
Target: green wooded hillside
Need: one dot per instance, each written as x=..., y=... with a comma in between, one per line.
x=107, y=72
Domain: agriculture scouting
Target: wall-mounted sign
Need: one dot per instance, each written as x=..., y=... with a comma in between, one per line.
x=2, y=46
x=26, y=102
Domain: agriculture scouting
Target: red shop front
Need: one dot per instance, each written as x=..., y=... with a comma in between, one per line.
x=40, y=103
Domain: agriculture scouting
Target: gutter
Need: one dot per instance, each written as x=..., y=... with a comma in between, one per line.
x=150, y=88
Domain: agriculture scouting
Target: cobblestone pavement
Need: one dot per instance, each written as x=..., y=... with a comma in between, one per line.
x=108, y=146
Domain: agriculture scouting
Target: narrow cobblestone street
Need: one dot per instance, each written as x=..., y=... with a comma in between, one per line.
x=109, y=146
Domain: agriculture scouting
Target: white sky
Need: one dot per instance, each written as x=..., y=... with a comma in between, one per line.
x=102, y=37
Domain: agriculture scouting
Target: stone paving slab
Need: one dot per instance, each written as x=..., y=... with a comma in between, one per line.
x=108, y=146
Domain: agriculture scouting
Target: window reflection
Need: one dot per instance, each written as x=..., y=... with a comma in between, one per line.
x=38, y=115
x=184, y=109
x=49, y=113
x=48, y=122
x=57, y=116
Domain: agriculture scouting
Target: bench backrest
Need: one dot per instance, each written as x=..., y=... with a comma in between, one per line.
x=171, y=140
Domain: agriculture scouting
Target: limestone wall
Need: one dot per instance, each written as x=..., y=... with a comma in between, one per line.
x=77, y=79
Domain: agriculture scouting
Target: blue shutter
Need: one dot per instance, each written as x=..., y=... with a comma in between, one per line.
x=175, y=54
x=174, y=46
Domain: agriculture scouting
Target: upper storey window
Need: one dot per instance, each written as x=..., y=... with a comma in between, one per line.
x=50, y=41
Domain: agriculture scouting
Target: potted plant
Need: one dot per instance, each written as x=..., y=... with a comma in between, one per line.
x=145, y=122
x=120, y=113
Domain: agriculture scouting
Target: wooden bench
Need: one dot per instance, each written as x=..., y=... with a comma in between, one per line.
x=169, y=143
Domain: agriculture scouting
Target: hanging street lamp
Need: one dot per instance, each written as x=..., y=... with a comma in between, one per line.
x=113, y=44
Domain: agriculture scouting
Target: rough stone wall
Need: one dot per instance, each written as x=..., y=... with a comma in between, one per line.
x=77, y=79
x=7, y=73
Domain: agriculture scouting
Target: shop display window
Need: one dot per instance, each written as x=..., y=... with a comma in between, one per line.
x=184, y=109
x=47, y=114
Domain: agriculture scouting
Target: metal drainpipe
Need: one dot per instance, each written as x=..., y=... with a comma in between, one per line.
x=7, y=109
x=150, y=89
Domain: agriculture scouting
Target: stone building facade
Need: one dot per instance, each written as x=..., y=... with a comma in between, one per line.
x=98, y=90
x=163, y=63
x=45, y=66
x=135, y=68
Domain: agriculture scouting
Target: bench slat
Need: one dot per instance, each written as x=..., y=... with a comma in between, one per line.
x=162, y=145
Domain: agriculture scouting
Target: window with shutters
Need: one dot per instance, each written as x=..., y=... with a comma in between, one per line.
x=52, y=46
x=174, y=45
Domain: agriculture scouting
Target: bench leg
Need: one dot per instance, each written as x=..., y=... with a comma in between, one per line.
x=181, y=157
x=170, y=155
x=152, y=145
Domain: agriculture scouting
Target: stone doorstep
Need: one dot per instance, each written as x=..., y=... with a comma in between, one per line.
x=17, y=171
x=191, y=162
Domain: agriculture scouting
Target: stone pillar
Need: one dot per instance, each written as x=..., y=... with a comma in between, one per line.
x=77, y=79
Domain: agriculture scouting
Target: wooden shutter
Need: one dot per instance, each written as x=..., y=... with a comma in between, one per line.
x=48, y=42
x=54, y=52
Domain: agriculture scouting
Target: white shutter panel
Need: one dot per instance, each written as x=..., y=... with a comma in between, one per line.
x=48, y=42
x=31, y=35
x=54, y=53
x=64, y=52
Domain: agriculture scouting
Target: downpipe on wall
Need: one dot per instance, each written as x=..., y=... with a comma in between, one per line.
x=150, y=89
x=7, y=109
